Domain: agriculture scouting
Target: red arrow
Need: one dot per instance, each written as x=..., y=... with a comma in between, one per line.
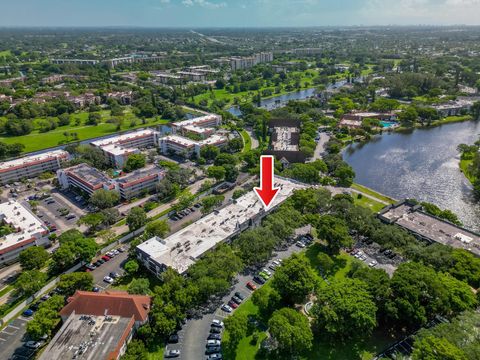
x=266, y=192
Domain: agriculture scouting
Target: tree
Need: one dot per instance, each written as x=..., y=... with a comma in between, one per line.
x=408, y=117
x=291, y=330
x=225, y=159
x=216, y=172
x=158, y=228
x=432, y=348
x=135, y=351
x=211, y=202
x=256, y=246
x=209, y=152
x=34, y=257
x=335, y=232
x=136, y=218
x=166, y=189
x=94, y=118
x=235, y=330
x=134, y=162
x=131, y=267
x=235, y=145
x=139, y=286
x=69, y=283
x=46, y=318
x=92, y=220
x=294, y=279
x=104, y=199
x=30, y=281
x=231, y=173
x=325, y=262
x=345, y=309
x=267, y=299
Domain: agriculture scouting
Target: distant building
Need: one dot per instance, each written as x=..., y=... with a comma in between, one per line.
x=123, y=97
x=31, y=166
x=192, y=76
x=454, y=108
x=285, y=140
x=98, y=325
x=355, y=120
x=307, y=51
x=27, y=231
x=203, y=126
x=245, y=62
x=139, y=182
x=85, y=178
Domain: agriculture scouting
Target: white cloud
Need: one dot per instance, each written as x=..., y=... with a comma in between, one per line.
x=204, y=3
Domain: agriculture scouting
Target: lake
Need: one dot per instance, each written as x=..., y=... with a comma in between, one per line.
x=422, y=164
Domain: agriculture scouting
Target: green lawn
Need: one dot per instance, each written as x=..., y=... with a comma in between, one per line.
x=5, y=53
x=247, y=141
x=464, y=166
x=368, y=203
x=373, y=193
x=38, y=141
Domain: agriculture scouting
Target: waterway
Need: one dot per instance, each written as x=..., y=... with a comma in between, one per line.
x=421, y=164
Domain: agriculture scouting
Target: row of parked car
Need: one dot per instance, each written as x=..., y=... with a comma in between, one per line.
x=182, y=213
x=102, y=260
x=304, y=241
x=213, y=346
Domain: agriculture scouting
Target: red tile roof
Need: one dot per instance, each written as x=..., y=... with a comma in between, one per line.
x=118, y=303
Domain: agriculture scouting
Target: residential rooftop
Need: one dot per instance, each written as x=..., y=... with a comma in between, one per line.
x=33, y=159
x=426, y=226
x=117, y=150
x=88, y=337
x=140, y=174
x=87, y=174
x=25, y=224
x=123, y=138
x=183, y=248
x=198, y=121
x=285, y=139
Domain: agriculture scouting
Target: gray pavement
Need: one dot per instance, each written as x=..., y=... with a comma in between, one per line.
x=12, y=337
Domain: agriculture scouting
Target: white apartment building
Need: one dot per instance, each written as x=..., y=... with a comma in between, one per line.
x=27, y=230
x=139, y=182
x=186, y=147
x=85, y=178
x=245, y=62
x=30, y=166
x=117, y=148
x=203, y=125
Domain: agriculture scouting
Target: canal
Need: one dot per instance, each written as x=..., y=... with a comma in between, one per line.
x=421, y=164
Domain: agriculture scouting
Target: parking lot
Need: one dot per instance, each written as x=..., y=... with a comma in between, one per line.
x=12, y=338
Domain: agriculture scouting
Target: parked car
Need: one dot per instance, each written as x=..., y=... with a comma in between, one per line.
x=372, y=263
x=237, y=300
x=101, y=261
x=259, y=280
x=300, y=244
x=226, y=308
x=217, y=323
x=70, y=217
x=96, y=289
x=105, y=257
x=173, y=339
x=33, y=344
x=114, y=275
x=216, y=356
x=240, y=296
x=172, y=353
x=90, y=266
x=97, y=263
x=214, y=337
x=108, y=279
x=215, y=330
x=28, y=312
x=213, y=350
x=213, y=342
x=232, y=304
x=251, y=286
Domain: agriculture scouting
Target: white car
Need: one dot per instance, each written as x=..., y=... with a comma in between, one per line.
x=268, y=272
x=227, y=308
x=300, y=244
x=373, y=263
x=172, y=353
x=108, y=279
x=214, y=356
x=213, y=342
x=217, y=323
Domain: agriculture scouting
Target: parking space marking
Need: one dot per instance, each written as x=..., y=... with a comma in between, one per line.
x=14, y=327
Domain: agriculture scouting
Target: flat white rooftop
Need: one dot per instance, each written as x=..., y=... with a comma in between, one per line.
x=124, y=137
x=182, y=249
x=213, y=140
x=180, y=140
x=27, y=160
x=22, y=220
x=198, y=121
x=117, y=150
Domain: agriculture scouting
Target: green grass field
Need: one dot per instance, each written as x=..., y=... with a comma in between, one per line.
x=247, y=141
x=5, y=53
x=464, y=166
x=373, y=193
x=368, y=203
x=38, y=141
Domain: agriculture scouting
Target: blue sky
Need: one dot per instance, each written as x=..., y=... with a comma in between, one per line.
x=236, y=13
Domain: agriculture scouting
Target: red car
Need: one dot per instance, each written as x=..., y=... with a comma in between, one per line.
x=251, y=286
x=105, y=257
x=232, y=304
